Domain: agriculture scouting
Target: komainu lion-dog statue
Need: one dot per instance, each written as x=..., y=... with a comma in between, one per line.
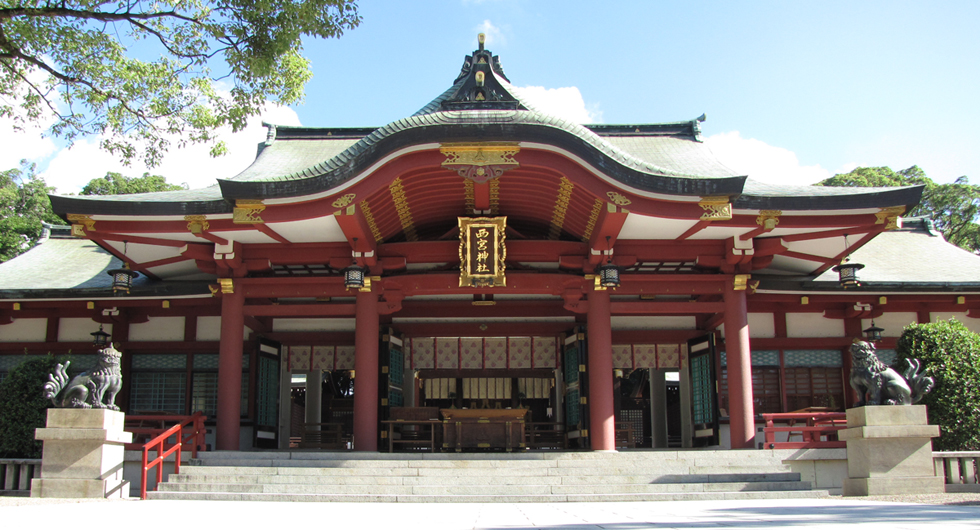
x=95, y=388
x=877, y=384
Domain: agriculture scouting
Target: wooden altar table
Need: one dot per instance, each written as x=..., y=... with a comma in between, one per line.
x=483, y=429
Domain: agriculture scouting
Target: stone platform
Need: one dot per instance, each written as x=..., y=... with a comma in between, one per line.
x=83, y=455
x=889, y=451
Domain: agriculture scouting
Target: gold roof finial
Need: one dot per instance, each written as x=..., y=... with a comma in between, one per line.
x=482, y=39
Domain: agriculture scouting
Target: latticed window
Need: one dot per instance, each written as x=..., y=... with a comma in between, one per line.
x=814, y=387
x=765, y=390
x=157, y=392
x=204, y=393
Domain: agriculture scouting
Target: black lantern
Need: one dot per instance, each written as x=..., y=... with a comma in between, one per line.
x=122, y=280
x=848, y=274
x=873, y=334
x=354, y=274
x=608, y=272
x=100, y=338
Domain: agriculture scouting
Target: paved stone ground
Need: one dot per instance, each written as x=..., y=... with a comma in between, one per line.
x=929, y=512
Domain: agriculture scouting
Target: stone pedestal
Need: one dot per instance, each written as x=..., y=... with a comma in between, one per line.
x=83, y=455
x=889, y=451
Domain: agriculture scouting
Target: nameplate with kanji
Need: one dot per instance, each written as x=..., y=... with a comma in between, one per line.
x=482, y=251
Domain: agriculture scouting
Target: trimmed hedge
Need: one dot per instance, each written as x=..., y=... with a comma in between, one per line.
x=23, y=408
x=950, y=354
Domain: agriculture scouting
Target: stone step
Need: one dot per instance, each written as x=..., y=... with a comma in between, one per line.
x=596, y=497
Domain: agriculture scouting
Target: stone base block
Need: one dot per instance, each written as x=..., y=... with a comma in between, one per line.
x=71, y=488
x=862, y=487
x=83, y=454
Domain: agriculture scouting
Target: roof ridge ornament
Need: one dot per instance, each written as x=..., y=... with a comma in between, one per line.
x=477, y=86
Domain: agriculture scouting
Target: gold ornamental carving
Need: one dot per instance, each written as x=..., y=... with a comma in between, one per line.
x=197, y=224
x=716, y=209
x=247, y=212
x=482, y=251
x=889, y=217
x=480, y=162
x=344, y=200
x=768, y=219
x=369, y=218
x=618, y=199
x=81, y=224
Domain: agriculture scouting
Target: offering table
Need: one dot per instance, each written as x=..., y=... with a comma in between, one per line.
x=483, y=429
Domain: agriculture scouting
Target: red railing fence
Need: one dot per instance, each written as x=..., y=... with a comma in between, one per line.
x=193, y=439
x=815, y=429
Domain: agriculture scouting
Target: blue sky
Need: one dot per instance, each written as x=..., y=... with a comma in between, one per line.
x=793, y=91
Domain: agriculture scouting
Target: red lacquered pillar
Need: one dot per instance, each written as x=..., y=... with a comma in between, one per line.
x=229, y=406
x=742, y=413
x=366, y=372
x=602, y=419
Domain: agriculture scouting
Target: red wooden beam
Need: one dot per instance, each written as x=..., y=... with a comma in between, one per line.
x=300, y=310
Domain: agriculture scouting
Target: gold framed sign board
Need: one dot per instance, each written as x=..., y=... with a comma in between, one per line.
x=482, y=251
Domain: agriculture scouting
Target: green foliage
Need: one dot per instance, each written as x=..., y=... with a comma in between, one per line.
x=24, y=206
x=139, y=73
x=954, y=208
x=23, y=408
x=117, y=184
x=950, y=354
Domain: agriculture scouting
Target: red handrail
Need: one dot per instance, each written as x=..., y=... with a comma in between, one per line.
x=158, y=443
x=817, y=429
x=194, y=441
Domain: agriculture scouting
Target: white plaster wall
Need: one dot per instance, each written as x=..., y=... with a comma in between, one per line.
x=973, y=324
x=25, y=330
x=892, y=323
x=762, y=326
x=657, y=322
x=313, y=324
x=813, y=325
x=208, y=328
x=79, y=329
x=158, y=329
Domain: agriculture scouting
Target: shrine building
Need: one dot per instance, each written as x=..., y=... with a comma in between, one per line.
x=614, y=284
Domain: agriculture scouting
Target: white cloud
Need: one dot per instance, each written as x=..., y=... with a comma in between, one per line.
x=72, y=168
x=763, y=162
x=565, y=102
x=495, y=36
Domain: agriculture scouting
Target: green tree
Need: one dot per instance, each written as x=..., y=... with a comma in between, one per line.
x=139, y=73
x=117, y=184
x=954, y=208
x=24, y=206
x=23, y=408
x=950, y=354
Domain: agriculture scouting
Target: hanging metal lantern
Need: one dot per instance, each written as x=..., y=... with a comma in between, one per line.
x=122, y=280
x=873, y=334
x=100, y=338
x=354, y=276
x=608, y=275
x=848, y=274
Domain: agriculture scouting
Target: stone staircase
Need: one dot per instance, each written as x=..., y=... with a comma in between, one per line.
x=496, y=477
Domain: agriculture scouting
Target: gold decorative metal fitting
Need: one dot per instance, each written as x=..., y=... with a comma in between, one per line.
x=480, y=162
x=741, y=282
x=403, y=209
x=247, y=212
x=480, y=78
x=768, y=219
x=561, y=207
x=81, y=223
x=889, y=217
x=716, y=209
x=214, y=290
x=227, y=285
x=369, y=218
x=367, y=283
x=344, y=200
x=197, y=224
x=593, y=219
x=618, y=199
